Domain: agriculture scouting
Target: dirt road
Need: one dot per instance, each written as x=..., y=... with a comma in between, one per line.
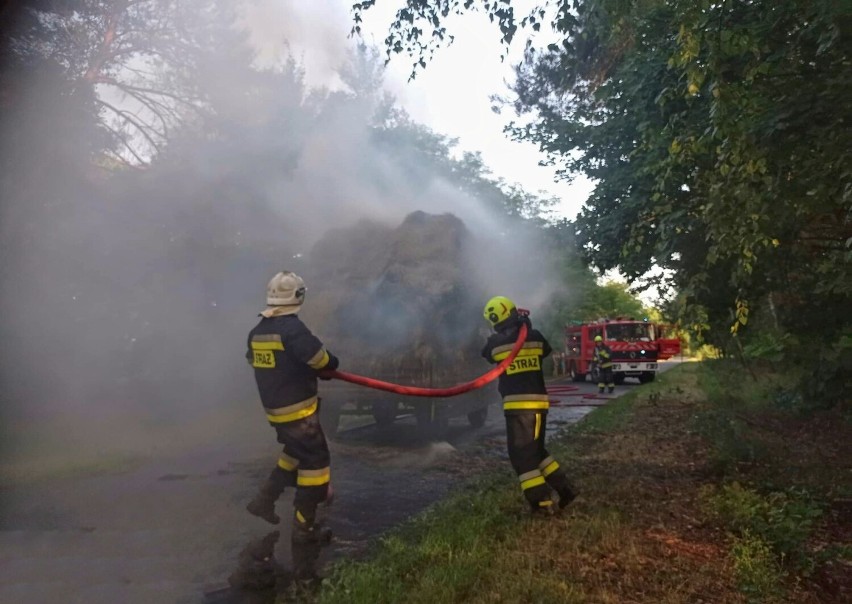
x=171, y=528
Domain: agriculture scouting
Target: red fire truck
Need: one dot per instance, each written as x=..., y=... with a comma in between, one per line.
x=636, y=347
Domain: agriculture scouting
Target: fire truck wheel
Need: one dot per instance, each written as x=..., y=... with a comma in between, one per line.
x=618, y=378
x=647, y=376
x=575, y=375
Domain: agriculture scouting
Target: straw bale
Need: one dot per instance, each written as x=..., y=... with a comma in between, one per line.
x=395, y=301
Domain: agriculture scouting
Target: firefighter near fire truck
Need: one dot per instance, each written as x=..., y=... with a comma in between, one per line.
x=286, y=357
x=525, y=406
x=603, y=359
x=636, y=348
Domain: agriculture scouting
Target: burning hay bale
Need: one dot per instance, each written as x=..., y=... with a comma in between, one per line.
x=395, y=302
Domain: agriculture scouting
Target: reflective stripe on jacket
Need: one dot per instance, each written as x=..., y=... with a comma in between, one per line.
x=522, y=384
x=286, y=357
x=603, y=355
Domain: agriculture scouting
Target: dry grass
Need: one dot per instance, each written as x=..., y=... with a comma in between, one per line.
x=641, y=531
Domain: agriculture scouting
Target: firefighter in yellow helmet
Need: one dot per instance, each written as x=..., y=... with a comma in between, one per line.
x=525, y=405
x=286, y=357
x=603, y=357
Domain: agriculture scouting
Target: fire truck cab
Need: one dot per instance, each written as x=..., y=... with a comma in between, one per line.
x=637, y=347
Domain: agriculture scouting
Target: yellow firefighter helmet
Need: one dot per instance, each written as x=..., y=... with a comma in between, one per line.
x=598, y=339
x=498, y=309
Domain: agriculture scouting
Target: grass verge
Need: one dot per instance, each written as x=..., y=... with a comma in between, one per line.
x=696, y=488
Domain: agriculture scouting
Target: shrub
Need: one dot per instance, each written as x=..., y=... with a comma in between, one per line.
x=782, y=520
x=759, y=575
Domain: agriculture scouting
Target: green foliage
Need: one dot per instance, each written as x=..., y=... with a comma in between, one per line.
x=758, y=573
x=442, y=552
x=767, y=345
x=782, y=520
x=769, y=534
x=831, y=381
x=612, y=299
x=579, y=296
x=732, y=439
x=717, y=134
x=726, y=422
x=418, y=29
x=788, y=399
x=423, y=155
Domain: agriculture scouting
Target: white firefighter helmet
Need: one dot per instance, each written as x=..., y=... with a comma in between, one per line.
x=285, y=293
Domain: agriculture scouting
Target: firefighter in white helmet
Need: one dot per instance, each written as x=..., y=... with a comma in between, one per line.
x=525, y=405
x=286, y=357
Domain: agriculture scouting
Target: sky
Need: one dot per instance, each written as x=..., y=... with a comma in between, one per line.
x=451, y=96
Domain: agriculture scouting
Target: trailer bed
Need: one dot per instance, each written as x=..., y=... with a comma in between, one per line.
x=341, y=399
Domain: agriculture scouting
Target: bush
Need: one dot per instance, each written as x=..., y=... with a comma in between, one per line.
x=783, y=520
x=767, y=345
x=733, y=441
x=758, y=574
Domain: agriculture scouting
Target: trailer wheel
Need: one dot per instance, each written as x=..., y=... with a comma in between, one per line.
x=431, y=426
x=384, y=412
x=575, y=375
x=477, y=418
x=329, y=417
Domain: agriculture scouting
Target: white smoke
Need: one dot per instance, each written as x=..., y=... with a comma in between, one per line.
x=112, y=286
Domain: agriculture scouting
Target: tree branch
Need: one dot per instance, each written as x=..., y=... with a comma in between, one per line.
x=124, y=86
x=154, y=107
x=123, y=139
x=109, y=37
x=127, y=116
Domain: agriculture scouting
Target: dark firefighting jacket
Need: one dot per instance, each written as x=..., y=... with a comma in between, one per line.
x=603, y=356
x=522, y=384
x=286, y=357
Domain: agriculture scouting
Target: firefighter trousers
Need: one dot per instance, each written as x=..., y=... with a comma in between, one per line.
x=304, y=463
x=537, y=471
x=606, y=380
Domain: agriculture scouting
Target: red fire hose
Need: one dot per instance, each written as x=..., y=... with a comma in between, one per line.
x=436, y=392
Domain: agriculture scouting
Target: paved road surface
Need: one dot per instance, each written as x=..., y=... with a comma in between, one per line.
x=171, y=528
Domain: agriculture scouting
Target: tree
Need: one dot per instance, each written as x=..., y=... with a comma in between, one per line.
x=713, y=131
x=135, y=61
x=423, y=154
x=418, y=28
x=716, y=133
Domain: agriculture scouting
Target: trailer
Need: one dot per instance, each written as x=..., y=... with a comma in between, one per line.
x=398, y=304
x=637, y=347
x=342, y=399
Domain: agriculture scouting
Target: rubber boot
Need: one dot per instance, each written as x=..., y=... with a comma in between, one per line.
x=542, y=508
x=306, y=541
x=257, y=569
x=263, y=504
x=317, y=533
x=566, y=496
x=600, y=390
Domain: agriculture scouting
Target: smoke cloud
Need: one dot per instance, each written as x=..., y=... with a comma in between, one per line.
x=127, y=294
